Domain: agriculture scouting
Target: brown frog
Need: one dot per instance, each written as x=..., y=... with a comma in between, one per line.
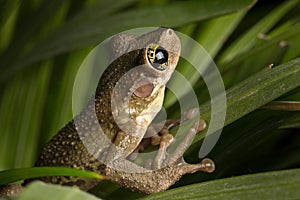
x=129, y=95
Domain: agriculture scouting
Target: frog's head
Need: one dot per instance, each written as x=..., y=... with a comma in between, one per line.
x=162, y=51
x=160, y=57
x=159, y=53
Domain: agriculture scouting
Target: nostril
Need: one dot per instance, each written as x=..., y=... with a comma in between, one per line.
x=170, y=31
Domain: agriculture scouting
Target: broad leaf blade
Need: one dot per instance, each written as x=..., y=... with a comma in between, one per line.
x=77, y=35
x=254, y=92
x=271, y=185
x=246, y=41
x=40, y=190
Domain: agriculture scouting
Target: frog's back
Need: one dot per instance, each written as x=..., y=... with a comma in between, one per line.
x=67, y=150
x=83, y=142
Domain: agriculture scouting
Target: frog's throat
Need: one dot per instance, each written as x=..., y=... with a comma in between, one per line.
x=146, y=116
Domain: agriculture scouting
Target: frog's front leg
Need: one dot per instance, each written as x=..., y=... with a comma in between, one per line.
x=198, y=126
x=164, y=139
x=157, y=131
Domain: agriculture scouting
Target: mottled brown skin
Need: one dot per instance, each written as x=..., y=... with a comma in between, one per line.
x=67, y=147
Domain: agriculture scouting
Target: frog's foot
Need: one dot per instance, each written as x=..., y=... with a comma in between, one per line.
x=153, y=137
x=206, y=165
x=163, y=160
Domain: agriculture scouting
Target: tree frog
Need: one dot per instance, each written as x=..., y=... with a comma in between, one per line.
x=129, y=95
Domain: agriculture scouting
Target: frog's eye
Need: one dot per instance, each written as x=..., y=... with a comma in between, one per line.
x=157, y=56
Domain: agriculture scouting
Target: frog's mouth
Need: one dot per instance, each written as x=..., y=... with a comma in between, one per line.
x=144, y=90
x=146, y=87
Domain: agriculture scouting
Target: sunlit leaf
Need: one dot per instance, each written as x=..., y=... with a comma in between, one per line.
x=13, y=175
x=38, y=190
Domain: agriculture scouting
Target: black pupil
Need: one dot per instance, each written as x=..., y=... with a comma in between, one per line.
x=161, y=56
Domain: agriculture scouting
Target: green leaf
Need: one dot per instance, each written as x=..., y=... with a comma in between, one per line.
x=8, y=16
x=13, y=175
x=288, y=36
x=83, y=33
x=254, y=92
x=261, y=88
x=39, y=190
x=7, y=8
x=270, y=185
x=292, y=123
x=22, y=101
x=246, y=41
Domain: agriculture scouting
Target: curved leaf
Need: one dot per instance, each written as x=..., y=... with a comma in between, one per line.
x=13, y=175
x=271, y=185
x=254, y=92
x=82, y=33
x=258, y=90
x=50, y=192
x=246, y=41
